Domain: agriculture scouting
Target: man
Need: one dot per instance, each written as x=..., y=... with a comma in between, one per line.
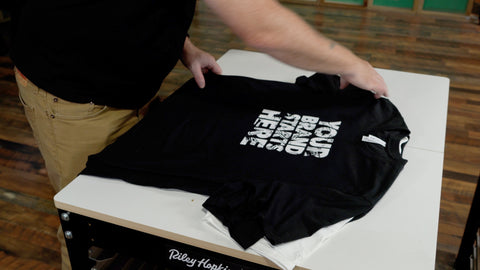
x=86, y=70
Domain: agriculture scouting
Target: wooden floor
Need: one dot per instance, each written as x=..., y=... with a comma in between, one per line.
x=445, y=46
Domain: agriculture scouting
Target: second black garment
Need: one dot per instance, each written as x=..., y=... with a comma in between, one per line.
x=278, y=160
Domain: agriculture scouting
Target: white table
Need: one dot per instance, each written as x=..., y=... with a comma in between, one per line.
x=399, y=233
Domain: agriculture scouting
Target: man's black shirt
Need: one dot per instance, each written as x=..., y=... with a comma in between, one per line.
x=107, y=52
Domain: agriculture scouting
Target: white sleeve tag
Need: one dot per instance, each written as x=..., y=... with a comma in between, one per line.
x=374, y=139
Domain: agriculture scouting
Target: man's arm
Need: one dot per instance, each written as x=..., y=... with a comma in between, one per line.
x=273, y=29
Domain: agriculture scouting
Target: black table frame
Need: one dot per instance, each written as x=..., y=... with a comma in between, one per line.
x=473, y=224
x=95, y=244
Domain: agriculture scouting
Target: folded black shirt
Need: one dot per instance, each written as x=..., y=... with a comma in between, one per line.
x=277, y=160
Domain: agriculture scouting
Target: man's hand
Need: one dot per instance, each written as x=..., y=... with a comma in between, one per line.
x=364, y=76
x=198, y=62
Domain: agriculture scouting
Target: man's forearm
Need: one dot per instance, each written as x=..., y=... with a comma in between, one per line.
x=269, y=27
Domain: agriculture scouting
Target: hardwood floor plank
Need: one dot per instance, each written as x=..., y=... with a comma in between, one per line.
x=12, y=262
x=444, y=260
x=457, y=191
x=465, y=153
x=32, y=202
x=460, y=166
x=30, y=184
x=461, y=179
x=448, y=242
x=29, y=218
x=20, y=156
x=33, y=237
x=28, y=236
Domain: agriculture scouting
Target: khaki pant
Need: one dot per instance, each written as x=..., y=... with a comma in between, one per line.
x=67, y=133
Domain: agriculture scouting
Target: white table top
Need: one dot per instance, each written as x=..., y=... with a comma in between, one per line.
x=399, y=233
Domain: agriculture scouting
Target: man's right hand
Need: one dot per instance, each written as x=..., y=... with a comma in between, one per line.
x=364, y=76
